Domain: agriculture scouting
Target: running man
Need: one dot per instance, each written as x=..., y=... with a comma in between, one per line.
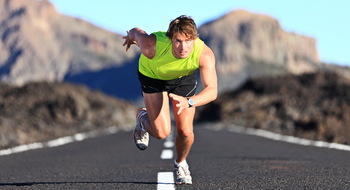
x=167, y=69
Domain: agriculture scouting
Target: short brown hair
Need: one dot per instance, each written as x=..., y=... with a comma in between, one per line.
x=184, y=25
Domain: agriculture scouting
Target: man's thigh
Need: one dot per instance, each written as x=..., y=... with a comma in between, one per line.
x=157, y=105
x=184, y=121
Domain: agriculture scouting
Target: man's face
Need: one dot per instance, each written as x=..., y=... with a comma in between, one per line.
x=182, y=46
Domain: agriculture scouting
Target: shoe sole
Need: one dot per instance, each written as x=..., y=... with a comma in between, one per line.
x=133, y=133
x=183, y=183
x=133, y=138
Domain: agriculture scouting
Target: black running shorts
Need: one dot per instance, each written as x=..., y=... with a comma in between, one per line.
x=185, y=86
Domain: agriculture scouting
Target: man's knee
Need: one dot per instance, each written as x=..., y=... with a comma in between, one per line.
x=161, y=129
x=185, y=132
x=161, y=135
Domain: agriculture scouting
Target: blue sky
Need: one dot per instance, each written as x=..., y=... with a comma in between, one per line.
x=326, y=20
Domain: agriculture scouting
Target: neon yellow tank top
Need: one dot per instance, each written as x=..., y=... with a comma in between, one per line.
x=164, y=65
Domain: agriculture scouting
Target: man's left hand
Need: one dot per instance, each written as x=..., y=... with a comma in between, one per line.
x=182, y=102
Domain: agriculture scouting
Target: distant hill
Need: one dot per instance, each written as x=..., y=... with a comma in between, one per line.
x=39, y=44
x=249, y=45
x=314, y=106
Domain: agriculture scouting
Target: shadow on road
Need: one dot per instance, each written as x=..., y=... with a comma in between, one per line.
x=60, y=183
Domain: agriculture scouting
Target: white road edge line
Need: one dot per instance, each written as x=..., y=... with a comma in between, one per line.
x=61, y=141
x=279, y=137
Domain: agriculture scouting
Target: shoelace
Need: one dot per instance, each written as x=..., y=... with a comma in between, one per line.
x=184, y=172
x=143, y=137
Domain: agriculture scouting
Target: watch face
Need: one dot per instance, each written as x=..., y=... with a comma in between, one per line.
x=190, y=101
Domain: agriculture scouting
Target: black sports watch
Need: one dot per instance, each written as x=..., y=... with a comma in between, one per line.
x=190, y=102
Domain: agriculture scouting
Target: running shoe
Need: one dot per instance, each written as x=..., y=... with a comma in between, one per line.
x=183, y=175
x=139, y=136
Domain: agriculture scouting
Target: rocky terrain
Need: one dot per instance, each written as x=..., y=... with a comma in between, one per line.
x=315, y=106
x=268, y=78
x=44, y=111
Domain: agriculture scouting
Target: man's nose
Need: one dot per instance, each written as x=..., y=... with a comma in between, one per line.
x=182, y=45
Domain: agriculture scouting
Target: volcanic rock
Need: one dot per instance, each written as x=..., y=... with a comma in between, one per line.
x=44, y=111
x=314, y=106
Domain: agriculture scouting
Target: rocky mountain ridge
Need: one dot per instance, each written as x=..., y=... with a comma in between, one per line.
x=240, y=35
x=40, y=44
x=250, y=45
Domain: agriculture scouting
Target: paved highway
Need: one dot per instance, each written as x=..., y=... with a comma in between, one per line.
x=218, y=160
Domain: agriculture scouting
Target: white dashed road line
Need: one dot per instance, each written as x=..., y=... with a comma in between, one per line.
x=166, y=154
x=166, y=179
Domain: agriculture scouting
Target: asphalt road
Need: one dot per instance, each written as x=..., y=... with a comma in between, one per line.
x=218, y=160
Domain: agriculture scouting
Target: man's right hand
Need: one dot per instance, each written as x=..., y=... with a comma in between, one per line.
x=128, y=42
x=146, y=43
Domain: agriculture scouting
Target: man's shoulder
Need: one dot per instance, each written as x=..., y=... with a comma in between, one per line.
x=207, y=56
x=161, y=36
x=199, y=43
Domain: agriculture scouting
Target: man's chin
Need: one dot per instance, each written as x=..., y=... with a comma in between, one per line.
x=184, y=56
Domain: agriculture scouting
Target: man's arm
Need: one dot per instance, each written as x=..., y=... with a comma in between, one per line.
x=209, y=82
x=208, y=78
x=146, y=43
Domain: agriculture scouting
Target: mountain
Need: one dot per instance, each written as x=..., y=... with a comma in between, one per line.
x=39, y=44
x=251, y=45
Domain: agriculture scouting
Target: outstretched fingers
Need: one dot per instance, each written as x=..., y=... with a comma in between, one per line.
x=127, y=41
x=181, y=102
